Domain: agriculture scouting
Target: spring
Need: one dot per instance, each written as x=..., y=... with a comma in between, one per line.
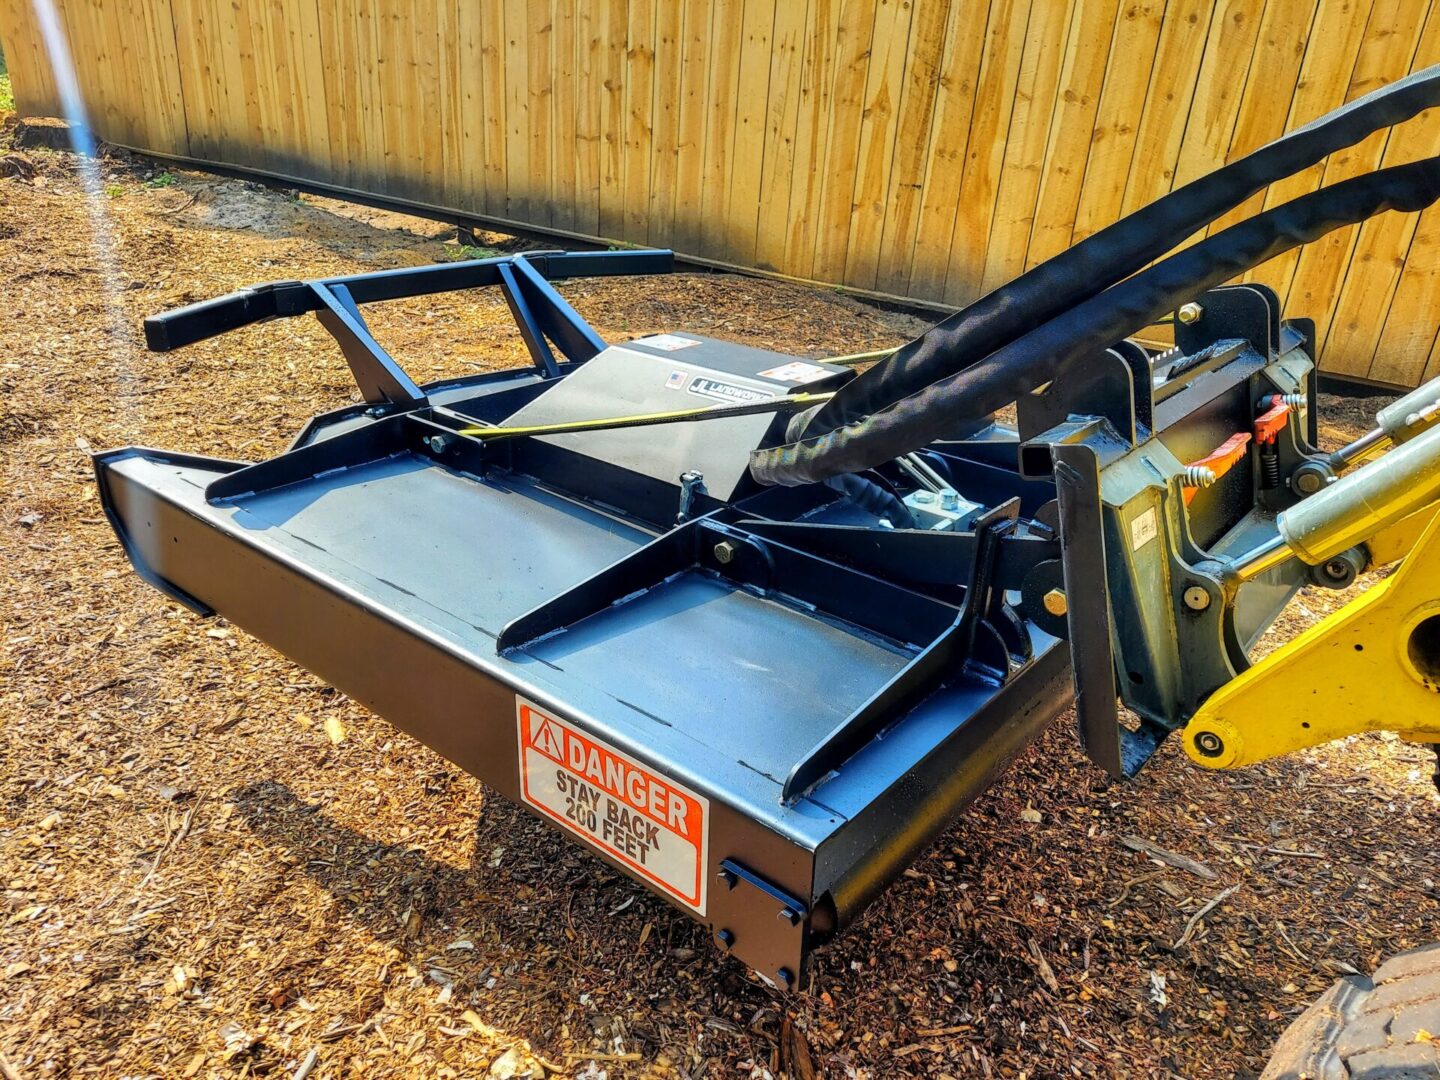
x=1269, y=467
x=1295, y=401
x=1197, y=476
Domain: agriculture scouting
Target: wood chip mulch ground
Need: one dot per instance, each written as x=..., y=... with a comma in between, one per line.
x=213, y=865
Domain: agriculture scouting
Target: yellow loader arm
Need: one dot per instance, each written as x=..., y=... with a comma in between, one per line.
x=1374, y=665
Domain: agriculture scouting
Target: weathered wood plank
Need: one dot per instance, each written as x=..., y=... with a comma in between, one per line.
x=1320, y=270
x=639, y=83
x=923, y=75
x=961, y=69
x=879, y=123
x=747, y=151
x=665, y=122
x=1025, y=143
x=985, y=155
x=694, y=113
x=1082, y=78
x=847, y=104
x=811, y=137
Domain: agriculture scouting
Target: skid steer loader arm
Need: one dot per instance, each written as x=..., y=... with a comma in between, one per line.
x=1373, y=665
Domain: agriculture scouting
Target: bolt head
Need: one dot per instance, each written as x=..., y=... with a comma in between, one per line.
x=1307, y=482
x=924, y=497
x=1209, y=744
x=1196, y=598
x=724, y=552
x=950, y=500
x=1056, y=602
x=1190, y=313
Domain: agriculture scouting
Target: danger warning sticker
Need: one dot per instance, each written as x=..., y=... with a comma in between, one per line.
x=655, y=826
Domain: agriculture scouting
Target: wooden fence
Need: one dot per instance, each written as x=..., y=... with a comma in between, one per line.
x=921, y=148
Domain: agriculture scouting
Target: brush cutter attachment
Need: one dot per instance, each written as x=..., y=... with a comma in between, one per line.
x=757, y=668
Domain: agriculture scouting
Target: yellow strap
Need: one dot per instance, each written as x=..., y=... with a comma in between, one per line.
x=716, y=412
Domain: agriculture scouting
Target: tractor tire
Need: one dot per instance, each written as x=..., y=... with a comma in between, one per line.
x=1383, y=1028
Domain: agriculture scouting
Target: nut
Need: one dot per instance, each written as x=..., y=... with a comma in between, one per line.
x=724, y=552
x=1196, y=598
x=1190, y=313
x=1056, y=602
x=1209, y=744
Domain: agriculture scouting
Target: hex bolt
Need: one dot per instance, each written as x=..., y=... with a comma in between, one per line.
x=924, y=497
x=1190, y=313
x=375, y=412
x=950, y=499
x=726, y=938
x=1209, y=744
x=1056, y=602
x=1196, y=598
x=438, y=443
x=724, y=552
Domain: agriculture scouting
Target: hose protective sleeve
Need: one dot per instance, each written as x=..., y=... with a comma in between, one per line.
x=1045, y=353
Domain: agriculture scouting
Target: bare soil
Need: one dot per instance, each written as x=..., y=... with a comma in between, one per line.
x=214, y=865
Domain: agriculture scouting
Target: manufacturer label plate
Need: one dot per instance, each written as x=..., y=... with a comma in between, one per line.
x=1144, y=528
x=654, y=825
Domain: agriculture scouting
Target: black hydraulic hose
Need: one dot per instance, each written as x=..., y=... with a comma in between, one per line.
x=873, y=498
x=1044, y=353
x=1113, y=254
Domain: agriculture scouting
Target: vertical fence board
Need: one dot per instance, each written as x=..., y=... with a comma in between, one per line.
x=1122, y=103
x=1072, y=127
x=694, y=113
x=1029, y=131
x=879, y=120
x=538, y=42
x=1386, y=53
x=847, y=102
x=965, y=38
x=665, y=121
x=811, y=135
x=923, y=148
x=610, y=33
x=639, y=83
x=782, y=117
x=1324, y=78
x=985, y=154
x=726, y=27
x=747, y=149
x=923, y=74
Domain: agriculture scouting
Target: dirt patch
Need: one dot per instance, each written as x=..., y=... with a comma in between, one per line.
x=215, y=865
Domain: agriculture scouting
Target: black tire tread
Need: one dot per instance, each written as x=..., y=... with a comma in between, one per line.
x=1386, y=1027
